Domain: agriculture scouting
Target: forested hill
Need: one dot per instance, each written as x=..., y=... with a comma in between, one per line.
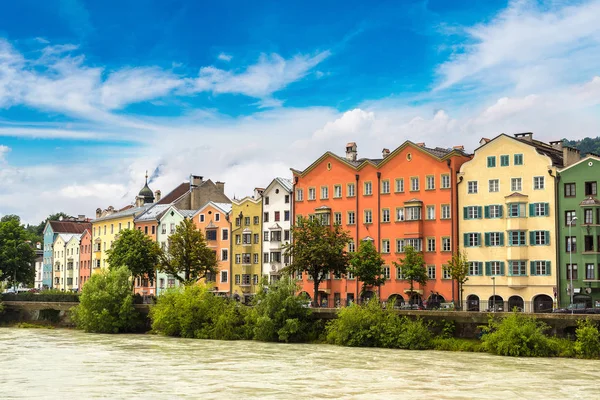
x=585, y=146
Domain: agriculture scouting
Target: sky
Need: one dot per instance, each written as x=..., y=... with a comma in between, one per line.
x=94, y=94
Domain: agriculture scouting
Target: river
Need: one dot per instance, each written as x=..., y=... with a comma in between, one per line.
x=67, y=364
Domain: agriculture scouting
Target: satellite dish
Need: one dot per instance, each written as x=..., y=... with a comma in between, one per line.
x=588, y=290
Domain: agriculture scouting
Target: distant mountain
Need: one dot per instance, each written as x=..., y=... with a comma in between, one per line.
x=585, y=146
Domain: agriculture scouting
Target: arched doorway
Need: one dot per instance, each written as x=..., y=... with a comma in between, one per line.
x=496, y=303
x=434, y=301
x=542, y=303
x=395, y=300
x=323, y=299
x=416, y=299
x=582, y=298
x=366, y=296
x=472, y=302
x=516, y=302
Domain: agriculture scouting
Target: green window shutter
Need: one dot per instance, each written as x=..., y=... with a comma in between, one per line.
x=478, y=239
x=479, y=213
x=501, y=238
x=466, y=212
x=480, y=268
x=486, y=211
x=488, y=268
x=466, y=240
x=502, y=268
x=500, y=209
x=532, y=268
x=531, y=209
x=532, y=238
x=546, y=237
x=510, y=239
x=546, y=209
x=487, y=238
x=548, y=271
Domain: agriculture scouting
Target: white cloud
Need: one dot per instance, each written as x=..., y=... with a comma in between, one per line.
x=4, y=150
x=225, y=57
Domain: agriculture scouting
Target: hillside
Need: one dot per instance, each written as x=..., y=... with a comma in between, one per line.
x=585, y=146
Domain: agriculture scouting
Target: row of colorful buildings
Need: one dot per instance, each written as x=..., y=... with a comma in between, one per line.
x=525, y=212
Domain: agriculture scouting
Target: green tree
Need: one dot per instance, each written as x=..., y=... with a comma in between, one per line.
x=367, y=265
x=136, y=251
x=17, y=256
x=413, y=268
x=317, y=249
x=458, y=269
x=188, y=254
x=106, y=303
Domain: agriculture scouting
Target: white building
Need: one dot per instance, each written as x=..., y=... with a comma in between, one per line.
x=277, y=215
x=39, y=267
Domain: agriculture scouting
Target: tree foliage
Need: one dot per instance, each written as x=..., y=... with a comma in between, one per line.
x=367, y=265
x=413, y=267
x=17, y=255
x=188, y=254
x=587, y=344
x=136, y=251
x=106, y=303
x=458, y=269
x=317, y=249
x=586, y=145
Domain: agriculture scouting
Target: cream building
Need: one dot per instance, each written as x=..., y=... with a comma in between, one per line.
x=71, y=272
x=59, y=267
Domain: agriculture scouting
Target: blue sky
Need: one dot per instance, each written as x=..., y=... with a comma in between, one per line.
x=92, y=94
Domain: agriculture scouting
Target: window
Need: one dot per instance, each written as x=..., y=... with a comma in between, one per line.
x=385, y=186
x=591, y=189
x=472, y=187
x=413, y=213
x=504, y=161
x=571, y=244
x=385, y=246
x=201, y=217
x=472, y=212
x=539, y=209
x=430, y=212
x=225, y=234
x=211, y=234
x=414, y=184
x=572, y=271
x=491, y=161
x=588, y=243
x=277, y=216
x=286, y=215
x=266, y=236
x=445, y=181
x=312, y=193
x=493, y=185
x=569, y=215
x=399, y=274
x=246, y=258
x=337, y=218
x=516, y=184
x=247, y=238
x=446, y=244
x=472, y=239
x=257, y=238
x=350, y=190
x=256, y=220
x=399, y=213
x=431, y=271
x=446, y=211
x=399, y=245
x=570, y=190
x=475, y=268
x=493, y=211
x=430, y=182
x=368, y=217
x=238, y=258
x=286, y=199
x=399, y=185
x=224, y=254
x=368, y=189
x=265, y=257
x=172, y=226
x=540, y=268
x=299, y=194
x=518, y=159
x=255, y=258
x=538, y=182
x=494, y=238
x=276, y=236
x=112, y=229
x=351, y=218
x=431, y=244
x=223, y=276
x=385, y=215
x=146, y=230
x=590, y=273
x=337, y=191
x=539, y=238
x=445, y=272
x=247, y=221
x=386, y=272
x=351, y=247
x=286, y=233
x=417, y=244
x=517, y=268
x=516, y=238
x=324, y=192
x=267, y=200
x=493, y=268
x=516, y=210
x=588, y=216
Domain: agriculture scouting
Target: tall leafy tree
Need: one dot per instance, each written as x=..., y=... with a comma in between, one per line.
x=367, y=265
x=458, y=269
x=136, y=251
x=188, y=254
x=17, y=256
x=413, y=268
x=317, y=249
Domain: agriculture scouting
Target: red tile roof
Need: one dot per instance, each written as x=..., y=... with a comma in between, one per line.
x=69, y=226
x=175, y=193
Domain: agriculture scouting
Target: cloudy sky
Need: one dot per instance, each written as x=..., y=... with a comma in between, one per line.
x=93, y=94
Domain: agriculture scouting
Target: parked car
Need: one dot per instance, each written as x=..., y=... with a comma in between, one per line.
x=577, y=308
x=407, y=306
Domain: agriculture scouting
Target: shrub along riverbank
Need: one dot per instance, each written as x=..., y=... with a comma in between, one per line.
x=278, y=315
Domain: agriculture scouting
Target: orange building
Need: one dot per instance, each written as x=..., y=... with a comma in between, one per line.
x=406, y=197
x=213, y=221
x=85, y=257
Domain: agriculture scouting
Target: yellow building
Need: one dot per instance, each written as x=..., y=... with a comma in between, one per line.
x=506, y=199
x=246, y=247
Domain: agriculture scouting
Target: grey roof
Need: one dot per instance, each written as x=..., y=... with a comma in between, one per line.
x=153, y=213
x=66, y=236
x=286, y=183
x=187, y=213
x=555, y=155
x=130, y=211
x=225, y=207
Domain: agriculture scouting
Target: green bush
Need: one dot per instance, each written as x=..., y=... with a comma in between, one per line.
x=587, y=344
x=52, y=295
x=518, y=335
x=193, y=311
x=106, y=304
x=456, y=344
x=279, y=315
x=564, y=347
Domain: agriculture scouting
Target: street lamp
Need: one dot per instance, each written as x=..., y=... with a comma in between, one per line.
x=571, y=259
x=493, y=294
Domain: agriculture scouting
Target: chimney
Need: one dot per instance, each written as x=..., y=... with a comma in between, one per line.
x=81, y=218
x=351, y=152
x=570, y=155
x=220, y=186
x=421, y=144
x=483, y=141
x=195, y=181
x=557, y=144
x=461, y=147
x=157, y=196
x=98, y=212
x=528, y=136
x=258, y=192
x=385, y=153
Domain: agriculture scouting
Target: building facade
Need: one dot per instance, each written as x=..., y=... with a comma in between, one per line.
x=246, y=248
x=72, y=269
x=405, y=198
x=39, y=269
x=85, y=257
x=277, y=211
x=60, y=260
x=579, y=228
x=507, y=223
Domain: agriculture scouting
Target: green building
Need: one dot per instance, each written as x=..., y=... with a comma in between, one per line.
x=579, y=247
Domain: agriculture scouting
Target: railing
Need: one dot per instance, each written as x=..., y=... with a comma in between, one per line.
x=507, y=306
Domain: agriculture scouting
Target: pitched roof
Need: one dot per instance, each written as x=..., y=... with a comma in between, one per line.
x=129, y=211
x=76, y=236
x=225, y=207
x=69, y=226
x=286, y=183
x=66, y=236
x=555, y=155
x=175, y=194
x=153, y=213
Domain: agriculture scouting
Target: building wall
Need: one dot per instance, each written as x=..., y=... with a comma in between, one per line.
x=167, y=224
x=49, y=237
x=71, y=271
x=587, y=170
x=277, y=213
x=246, y=275
x=85, y=259
x=39, y=273
x=142, y=286
x=103, y=234
x=526, y=286
x=59, y=259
